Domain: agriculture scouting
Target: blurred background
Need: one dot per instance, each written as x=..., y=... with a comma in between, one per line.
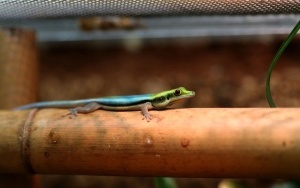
x=223, y=57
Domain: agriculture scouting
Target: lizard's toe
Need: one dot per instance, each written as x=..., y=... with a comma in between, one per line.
x=148, y=117
x=72, y=113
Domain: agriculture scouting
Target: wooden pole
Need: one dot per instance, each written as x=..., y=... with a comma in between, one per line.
x=18, y=85
x=18, y=67
x=227, y=143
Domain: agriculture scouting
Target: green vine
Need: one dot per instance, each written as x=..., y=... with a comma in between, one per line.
x=274, y=61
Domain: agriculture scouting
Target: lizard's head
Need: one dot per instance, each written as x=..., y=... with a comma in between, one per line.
x=167, y=98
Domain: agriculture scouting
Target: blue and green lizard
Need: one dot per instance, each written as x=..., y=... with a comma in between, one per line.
x=142, y=102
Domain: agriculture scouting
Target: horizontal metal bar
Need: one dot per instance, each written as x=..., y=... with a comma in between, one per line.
x=64, y=30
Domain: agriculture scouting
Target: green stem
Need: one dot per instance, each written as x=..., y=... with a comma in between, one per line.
x=274, y=61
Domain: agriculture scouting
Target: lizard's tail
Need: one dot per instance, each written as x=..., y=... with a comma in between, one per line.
x=53, y=104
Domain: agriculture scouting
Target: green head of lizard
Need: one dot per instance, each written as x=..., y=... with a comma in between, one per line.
x=167, y=98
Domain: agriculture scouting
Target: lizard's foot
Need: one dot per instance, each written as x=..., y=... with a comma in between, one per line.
x=147, y=117
x=73, y=113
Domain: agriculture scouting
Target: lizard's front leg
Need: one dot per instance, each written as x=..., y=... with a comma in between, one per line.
x=145, y=111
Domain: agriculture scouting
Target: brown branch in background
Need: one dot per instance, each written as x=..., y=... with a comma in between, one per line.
x=109, y=23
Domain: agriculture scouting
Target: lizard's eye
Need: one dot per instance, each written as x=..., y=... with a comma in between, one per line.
x=177, y=92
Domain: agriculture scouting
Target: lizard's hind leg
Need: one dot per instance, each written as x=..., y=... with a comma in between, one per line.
x=90, y=107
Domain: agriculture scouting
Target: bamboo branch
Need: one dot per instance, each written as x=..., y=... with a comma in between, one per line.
x=237, y=143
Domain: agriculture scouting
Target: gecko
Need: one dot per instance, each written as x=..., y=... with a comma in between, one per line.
x=143, y=102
